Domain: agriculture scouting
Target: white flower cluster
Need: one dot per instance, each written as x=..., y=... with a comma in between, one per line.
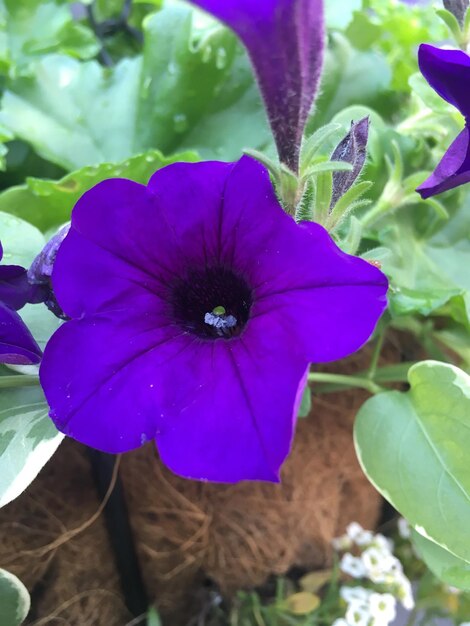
x=376, y=563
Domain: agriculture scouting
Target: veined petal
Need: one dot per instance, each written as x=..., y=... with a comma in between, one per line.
x=285, y=41
x=448, y=73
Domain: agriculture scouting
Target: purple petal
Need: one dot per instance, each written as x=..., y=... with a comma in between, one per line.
x=453, y=169
x=17, y=346
x=285, y=41
x=448, y=73
x=211, y=407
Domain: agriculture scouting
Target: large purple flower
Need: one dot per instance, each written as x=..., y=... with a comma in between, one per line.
x=285, y=41
x=17, y=345
x=448, y=73
x=196, y=305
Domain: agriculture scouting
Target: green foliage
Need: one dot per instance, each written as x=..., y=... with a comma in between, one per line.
x=31, y=28
x=14, y=600
x=79, y=113
x=413, y=447
x=28, y=439
x=48, y=204
x=445, y=565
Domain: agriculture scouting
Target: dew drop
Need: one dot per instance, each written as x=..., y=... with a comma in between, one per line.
x=221, y=58
x=206, y=54
x=180, y=122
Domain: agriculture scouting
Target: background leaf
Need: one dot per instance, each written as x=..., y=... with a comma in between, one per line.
x=442, y=563
x=48, y=204
x=28, y=439
x=414, y=448
x=79, y=113
x=14, y=600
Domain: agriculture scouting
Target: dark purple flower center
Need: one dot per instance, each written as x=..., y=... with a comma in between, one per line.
x=212, y=303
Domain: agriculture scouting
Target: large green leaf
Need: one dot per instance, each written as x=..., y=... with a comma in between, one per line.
x=442, y=563
x=14, y=600
x=21, y=241
x=28, y=439
x=185, y=91
x=29, y=28
x=47, y=204
x=414, y=448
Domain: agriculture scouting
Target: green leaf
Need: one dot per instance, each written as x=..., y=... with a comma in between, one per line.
x=153, y=619
x=20, y=240
x=339, y=13
x=446, y=566
x=414, y=448
x=28, y=439
x=48, y=204
x=30, y=28
x=77, y=114
x=14, y=600
x=428, y=272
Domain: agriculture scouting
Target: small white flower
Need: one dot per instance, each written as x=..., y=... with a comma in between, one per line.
x=357, y=615
x=358, y=535
x=455, y=592
x=404, y=528
x=383, y=543
x=356, y=595
x=465, y=624
x=353, y=529
x=382, y=607
x=341, y=543
x=405, y=592
x=340, y=622
x=352, y=565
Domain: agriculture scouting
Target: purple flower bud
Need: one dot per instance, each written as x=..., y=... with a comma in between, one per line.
x=41, y=268
x=285, y=41
x=458, y=8
x=351, y=149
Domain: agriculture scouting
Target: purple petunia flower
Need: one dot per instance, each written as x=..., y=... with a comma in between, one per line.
x=17, y=346
x=285, y=41
x=196, y=305
x=448, y=73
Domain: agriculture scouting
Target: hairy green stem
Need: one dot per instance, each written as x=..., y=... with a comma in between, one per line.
x=18, y=380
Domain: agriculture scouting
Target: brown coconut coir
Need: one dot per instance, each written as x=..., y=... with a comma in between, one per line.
x=187, y=532
x=71, y=575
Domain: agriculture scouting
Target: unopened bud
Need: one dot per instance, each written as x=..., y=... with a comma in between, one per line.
x=458, y=8
x=41, y=268
x=351, y=149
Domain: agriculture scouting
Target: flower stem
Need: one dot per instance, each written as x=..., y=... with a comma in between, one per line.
x=345, y=381
x=18, y=380
x=375, y=356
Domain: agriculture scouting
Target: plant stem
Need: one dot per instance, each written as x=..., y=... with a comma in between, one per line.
x=345, y=381
x=375, y=356
x=18, y=380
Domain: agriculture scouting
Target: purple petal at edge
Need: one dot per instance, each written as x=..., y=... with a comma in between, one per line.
x=453, y=169
x=17, y=346
x=448, y=73
x=285, y=41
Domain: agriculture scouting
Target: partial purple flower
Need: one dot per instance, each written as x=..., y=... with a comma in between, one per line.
x=196, y=305
x=285, y=41
x=448, y=73
x=17, y=346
